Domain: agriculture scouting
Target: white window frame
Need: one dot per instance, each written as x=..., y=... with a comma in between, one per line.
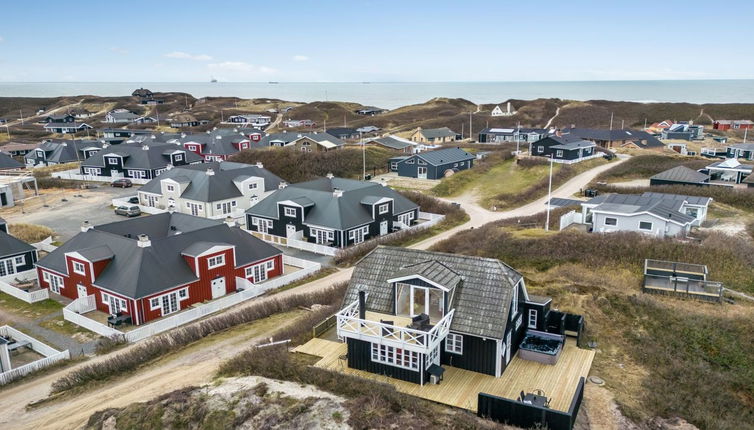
x=540, y=148
x=514, y=301
x=76, y=265
x=559, y=153
x=651, y=226
x=384, y=208
x=170, y=187
x=54, y=281
x=533, y=314
x=357, y=237
x=612, y=219
x=253, y=186
x=454, y=343
x=177, y=297
x=112, y=161
x=389, y=355
x=263, y=225
x=178, y=157
x=216, y=261
x=290, y=212
x=114, y=302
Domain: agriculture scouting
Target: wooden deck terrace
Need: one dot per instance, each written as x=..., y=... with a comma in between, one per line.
x=460, y=388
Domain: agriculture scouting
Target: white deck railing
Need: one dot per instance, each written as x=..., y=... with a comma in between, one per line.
x=82, y=305
x=350, y=325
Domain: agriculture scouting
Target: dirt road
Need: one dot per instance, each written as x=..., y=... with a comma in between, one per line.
x=196, y=364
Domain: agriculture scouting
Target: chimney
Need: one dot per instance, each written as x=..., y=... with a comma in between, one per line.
x=260, y=165
x=169, y=166
x=282, y=185
x=143, y=241
x=145, y=147
x=558, y=132
x=183, y=134
x=86, y=226
x=210, y=172
x=362, y=304
x=337, y=192
x=330, y=175
x=384, y=183
x=230, y=222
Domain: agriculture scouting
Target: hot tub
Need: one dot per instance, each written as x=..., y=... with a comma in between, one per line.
x=541, y=347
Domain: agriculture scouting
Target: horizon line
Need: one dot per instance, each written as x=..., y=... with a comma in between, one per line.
x=378, y=82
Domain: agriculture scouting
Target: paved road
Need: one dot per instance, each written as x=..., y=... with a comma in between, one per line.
x=66, y=209
x=197, y=365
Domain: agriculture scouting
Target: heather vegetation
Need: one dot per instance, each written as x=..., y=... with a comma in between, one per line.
x=660, y=356
x=145, y=352
x=30, y=233
x=296, y=166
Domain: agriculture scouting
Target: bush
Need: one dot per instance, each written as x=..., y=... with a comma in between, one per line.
x=158, y=346
x=297, y=166
x=30, y=233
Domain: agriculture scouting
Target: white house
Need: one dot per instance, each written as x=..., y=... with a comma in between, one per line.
x=509, y=111
x=656, y=214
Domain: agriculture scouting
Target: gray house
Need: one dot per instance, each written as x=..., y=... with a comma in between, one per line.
x=210, y=190
x=679, y=175
x=655, y=214
x=332, y=211
x=432, y=164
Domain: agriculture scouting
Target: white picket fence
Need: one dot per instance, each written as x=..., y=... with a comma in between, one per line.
x=45, y=245
x=82, y=305
x=430, y=219
x=75, y=175
x=246, y=291
x=52, y=355
x=28, y=297
x=571, y=217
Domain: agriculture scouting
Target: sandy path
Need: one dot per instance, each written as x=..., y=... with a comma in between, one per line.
x=197, y=364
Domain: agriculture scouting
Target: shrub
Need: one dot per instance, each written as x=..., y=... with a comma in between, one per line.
x=158, y=346
x=297, y=166
x=30, y=233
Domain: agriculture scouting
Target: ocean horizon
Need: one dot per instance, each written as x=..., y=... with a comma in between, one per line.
x=391, y=95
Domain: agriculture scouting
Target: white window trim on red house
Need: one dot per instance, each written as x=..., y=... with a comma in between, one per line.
x=268, y=266
x=112, y=301
x=181, y=294
x=216, y=261
x=56, y=286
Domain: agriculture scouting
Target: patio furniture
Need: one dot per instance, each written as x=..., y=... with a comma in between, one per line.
x=385, y=330
x=537, y=398
x=118, y=319
x=435, y=373
x=342, y=361
x=19, y=344
x=420, y=322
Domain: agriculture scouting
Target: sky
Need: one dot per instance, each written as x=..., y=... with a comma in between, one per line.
x=370, y=40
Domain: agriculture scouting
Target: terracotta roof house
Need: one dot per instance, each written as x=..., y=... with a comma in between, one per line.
x=211, y=190
x=154, y=266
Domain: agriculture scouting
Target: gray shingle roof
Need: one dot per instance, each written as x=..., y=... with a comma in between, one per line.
x=137, y=272
x=62, y=151
x=481, y=300
x=392, y=142
x=210, y=188
x=435, y=133
x=570, y=142
x=8, y=162
x=666, y=206
x=338, y=213
x=288, y=137
x=431, y=270
x=444, y=156
x=10, y=245
x=136, y=157
x=682, y=174
x=636, y=136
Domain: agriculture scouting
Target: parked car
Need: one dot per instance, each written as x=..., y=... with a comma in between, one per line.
x=134, y=200
x=122, y=183
x=128, y=211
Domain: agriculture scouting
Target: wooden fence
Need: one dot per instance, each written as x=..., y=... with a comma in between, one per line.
x=517, y=413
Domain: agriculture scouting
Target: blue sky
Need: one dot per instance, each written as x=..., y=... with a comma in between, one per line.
x=362, y=40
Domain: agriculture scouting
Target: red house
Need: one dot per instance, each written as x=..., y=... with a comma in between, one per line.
x=726, y=124
x=154, y=266
x=220, y=144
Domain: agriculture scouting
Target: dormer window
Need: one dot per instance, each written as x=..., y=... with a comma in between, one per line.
x=290, y=212
x=178, y=157
x=384, y=208
x=216, y=261
x=170, y=188
x=253, y=186
x=79, y=268
x=113, y=161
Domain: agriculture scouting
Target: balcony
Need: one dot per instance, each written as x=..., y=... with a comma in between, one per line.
x=399, y=334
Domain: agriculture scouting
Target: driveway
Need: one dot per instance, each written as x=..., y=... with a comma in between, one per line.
x=63, y=210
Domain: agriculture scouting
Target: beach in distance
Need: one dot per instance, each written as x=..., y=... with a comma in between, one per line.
x=391, y=95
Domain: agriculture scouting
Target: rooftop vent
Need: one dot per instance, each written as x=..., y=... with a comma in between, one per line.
x=337, y=192
x=143, y=241
x=210, y=171
x=230, y=222
x=145, y=147
x=330, y=175
x=282, y=185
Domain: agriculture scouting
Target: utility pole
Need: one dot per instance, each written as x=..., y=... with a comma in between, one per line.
x=20, y=112
x=611, y=120
x=549, y=197
x=363, y=157
x=470, y=138
x=518, y=137
x=345, y=124
x=8, y=130
x=746, y=131
x=645, y=123
x=622, y=122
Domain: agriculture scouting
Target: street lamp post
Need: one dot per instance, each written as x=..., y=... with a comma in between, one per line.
x=549, y=197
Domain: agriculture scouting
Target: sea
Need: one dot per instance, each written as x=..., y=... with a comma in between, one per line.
x=391, y=95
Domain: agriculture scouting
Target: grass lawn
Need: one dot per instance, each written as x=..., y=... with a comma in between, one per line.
x=18, y=307
x=67, y=328
x=319, y=274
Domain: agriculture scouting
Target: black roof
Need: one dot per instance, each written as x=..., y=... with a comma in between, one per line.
x=10, y=245
x=682, y=174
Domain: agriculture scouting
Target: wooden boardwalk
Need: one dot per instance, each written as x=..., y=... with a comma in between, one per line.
x=460, y=388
